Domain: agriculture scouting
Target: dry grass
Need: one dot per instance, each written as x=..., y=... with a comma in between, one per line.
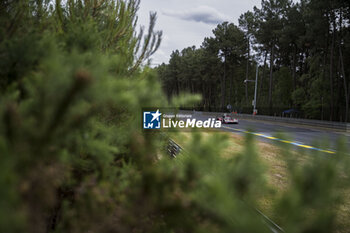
x=277, y=172
x=269, y=153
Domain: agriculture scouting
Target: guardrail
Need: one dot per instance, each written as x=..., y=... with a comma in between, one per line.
x=174, y=149
x=342, y=126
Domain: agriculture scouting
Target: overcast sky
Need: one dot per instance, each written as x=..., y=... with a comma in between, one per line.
x=186, y=22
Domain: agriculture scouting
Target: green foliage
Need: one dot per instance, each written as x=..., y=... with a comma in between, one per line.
x=299, y=96
x=315, y=192
x=73, y=157
x=72, y=91
x=284, y=87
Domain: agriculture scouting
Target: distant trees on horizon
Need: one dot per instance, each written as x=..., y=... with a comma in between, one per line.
x=302, y=50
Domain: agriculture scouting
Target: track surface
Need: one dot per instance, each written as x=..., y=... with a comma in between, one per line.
x=314, y=137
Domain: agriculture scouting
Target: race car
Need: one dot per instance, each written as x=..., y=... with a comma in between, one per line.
x=227, y=119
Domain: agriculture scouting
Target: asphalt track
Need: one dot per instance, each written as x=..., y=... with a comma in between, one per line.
x=324, y=140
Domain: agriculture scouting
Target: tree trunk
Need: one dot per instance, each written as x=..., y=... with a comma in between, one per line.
x=192, y=87
x=246, y=72
x=294, y=67
x=348, y=97
x=324, y=63
x=331, y=74
x=223, y=87
x=271, y=73
x=236, y=93
x=204, y=94
x=177, y=88
x=230, y=93
x=262, y=77
x=210, y=98
x=343, y=72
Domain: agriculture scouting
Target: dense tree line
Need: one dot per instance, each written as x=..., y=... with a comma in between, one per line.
x=302, y=50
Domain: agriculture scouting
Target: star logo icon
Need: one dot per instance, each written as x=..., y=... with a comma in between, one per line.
x=151, y=119
x=156, y=115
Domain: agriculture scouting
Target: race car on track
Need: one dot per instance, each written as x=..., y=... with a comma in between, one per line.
x=227, y=119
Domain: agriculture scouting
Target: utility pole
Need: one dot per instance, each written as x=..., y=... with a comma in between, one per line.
x=256, y=88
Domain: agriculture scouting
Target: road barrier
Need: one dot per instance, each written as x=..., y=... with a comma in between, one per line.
x=173, y=148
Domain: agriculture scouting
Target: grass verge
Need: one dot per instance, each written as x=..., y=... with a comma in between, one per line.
x=278, y=177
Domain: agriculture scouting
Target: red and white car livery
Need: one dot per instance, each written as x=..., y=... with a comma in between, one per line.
x=227, y=119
